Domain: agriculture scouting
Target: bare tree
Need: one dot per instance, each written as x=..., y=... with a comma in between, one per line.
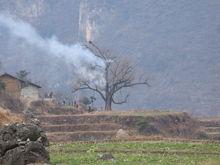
x=118, y=75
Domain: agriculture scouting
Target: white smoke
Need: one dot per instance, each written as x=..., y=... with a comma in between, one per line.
x=75, y=54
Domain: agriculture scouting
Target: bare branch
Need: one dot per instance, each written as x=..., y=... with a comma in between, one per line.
x=86, y=85
x=95, y=50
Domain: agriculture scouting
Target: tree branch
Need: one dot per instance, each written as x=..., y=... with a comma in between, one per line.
x=127, y=85
x=85, y=85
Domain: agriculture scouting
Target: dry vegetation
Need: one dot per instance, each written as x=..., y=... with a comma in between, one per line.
x=13, y=104
x=10, y=109
x=49, y=108
x=134, y=113
x=6, y=117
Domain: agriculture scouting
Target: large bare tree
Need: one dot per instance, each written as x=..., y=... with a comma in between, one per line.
x=118, y=74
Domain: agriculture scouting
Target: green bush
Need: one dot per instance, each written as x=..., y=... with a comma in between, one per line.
x=2, y=86
x=202, y=135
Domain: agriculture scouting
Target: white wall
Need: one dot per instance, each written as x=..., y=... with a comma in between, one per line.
x=31, y=92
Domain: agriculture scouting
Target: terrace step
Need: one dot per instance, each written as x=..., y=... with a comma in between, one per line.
x=211, y=129
x=73, y=119
x=87, y=119
x=85, y=127
x=95, y=126
x=81, y=127
x=210, y=123
x=81, y=136
x=214, y=135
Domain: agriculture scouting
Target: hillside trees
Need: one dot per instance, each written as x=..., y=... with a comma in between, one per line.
x=118, y=75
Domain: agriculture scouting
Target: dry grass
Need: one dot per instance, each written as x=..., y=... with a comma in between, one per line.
x=134, y=113
x=6, y=117
x=12, y=103
x=216, y=118
x=42, y=107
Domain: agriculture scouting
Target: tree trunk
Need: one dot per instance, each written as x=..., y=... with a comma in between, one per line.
x=108, y=105
x=108, y=101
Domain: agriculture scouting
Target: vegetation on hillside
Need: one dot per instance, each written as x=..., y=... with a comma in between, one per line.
x=2, y=86
x=7, y=118
x=11, y=103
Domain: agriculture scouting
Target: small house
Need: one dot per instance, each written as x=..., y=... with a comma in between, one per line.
x=20, y=88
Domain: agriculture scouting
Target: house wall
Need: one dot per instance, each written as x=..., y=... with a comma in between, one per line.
x=30, y=92
x=12, y=86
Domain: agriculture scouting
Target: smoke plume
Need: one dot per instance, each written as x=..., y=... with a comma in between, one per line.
x=78, y=56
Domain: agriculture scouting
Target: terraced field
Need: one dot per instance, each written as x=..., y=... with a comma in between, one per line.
x=104, y=126
x=211, y=126
x=96, y=133
x=78, y=127
x=136, y=153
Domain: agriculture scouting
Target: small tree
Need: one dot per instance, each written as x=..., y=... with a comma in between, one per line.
x=92, y=99
x=87, y=103
x=85, y=100
x=2, y=86
x=118, y=75
x=22, y=75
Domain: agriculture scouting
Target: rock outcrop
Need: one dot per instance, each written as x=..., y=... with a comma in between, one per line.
x=122, y=134
x=22, y=144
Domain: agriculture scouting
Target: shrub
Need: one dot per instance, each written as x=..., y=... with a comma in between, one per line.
x=202, y=135
x=146, y=128
x=2, y=86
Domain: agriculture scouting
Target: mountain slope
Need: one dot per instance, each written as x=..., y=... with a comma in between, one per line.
x=177, y=43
